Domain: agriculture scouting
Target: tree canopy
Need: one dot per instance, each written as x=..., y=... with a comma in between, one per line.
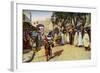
x=69, y=17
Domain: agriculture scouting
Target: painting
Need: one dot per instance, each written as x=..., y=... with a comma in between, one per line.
x=56, y=36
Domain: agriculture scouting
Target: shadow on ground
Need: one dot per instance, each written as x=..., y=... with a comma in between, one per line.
x=57, y=53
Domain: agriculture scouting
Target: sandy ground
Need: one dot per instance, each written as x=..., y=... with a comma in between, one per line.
x=63, y=53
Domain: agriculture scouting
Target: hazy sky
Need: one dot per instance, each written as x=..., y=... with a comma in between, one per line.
x=38, y=15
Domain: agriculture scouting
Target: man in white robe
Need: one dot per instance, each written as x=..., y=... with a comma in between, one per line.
x=86, y=41
x=80, y=41
x=67, y=37
x=62, y=39
x=76, y=39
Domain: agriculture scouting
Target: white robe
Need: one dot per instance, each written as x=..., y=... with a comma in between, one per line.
x=76, y=39
x=67, y=38
x=62, y=40
x=80, y=41
x=86, y=40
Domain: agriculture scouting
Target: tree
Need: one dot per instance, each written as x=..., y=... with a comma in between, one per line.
x=69, y=17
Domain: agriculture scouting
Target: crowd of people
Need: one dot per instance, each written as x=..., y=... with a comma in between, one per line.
x=73, y=36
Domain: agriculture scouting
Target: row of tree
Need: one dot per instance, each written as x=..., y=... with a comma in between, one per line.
x=71, y=18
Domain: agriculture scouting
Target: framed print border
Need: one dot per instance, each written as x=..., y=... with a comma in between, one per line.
x=16, y=36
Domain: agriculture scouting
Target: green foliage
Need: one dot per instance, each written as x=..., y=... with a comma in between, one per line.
x=68, y=17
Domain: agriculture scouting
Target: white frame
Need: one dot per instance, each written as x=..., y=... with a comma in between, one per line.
x=16, y=60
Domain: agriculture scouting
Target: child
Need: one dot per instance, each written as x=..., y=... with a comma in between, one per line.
x=48, y=51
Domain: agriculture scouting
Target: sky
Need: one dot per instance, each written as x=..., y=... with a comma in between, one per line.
x=38, y=15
